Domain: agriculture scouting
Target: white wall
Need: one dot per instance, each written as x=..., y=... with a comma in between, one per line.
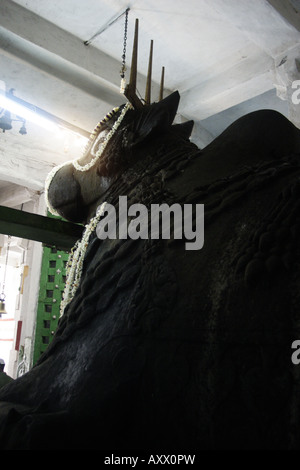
x=21, y=295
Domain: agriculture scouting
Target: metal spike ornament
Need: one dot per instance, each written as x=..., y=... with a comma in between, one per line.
x=149, y=76
x=161, y=93
x=130, y=90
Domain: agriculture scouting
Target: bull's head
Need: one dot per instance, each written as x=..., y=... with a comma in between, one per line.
x=117, y=143
x=71, y=192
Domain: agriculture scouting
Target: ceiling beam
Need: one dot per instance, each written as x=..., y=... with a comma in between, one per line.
x=50, y=231
x=65, y=46
x=208, y=102
x=46, y=35
x=263, y=23
x=288, y=10
x=242, y=81
x=45, y=65
x=248, y=72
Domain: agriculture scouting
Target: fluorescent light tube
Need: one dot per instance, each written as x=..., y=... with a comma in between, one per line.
x=26, y=113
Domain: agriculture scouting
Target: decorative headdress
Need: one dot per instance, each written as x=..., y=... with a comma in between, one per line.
x=130, y=89
x=134, y=102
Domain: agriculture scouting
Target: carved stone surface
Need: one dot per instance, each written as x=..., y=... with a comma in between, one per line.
x=164, y=348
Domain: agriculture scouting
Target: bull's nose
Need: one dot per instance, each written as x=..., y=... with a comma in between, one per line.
x=64, y=195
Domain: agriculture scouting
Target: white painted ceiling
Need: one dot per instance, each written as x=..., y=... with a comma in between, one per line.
x=221, y=55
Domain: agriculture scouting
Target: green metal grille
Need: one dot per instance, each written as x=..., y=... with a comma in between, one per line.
x=52, y=283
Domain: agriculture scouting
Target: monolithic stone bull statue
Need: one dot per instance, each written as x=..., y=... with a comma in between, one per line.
x=161, y=347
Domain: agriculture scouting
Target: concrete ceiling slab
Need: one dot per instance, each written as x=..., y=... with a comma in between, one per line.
x=221, y=55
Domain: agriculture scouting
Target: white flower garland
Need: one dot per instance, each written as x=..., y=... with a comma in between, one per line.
x=89, y=165
x=76, y=258
x=104, y=144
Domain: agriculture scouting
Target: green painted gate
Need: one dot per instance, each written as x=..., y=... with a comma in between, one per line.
x=52, y=283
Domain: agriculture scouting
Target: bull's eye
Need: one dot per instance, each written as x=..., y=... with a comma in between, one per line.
x=100, y=139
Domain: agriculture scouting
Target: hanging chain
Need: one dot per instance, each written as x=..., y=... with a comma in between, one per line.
x=123, y=68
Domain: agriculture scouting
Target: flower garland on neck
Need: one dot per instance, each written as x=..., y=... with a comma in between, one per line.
x=100, y=151
x=107, y=139
x=77, y=254
x=76, y=258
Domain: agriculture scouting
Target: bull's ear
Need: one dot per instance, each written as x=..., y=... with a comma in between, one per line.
x=155, y=119
x=184, y=129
